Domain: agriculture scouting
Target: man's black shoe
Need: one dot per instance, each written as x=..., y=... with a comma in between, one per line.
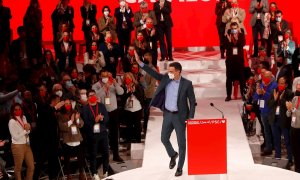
x=171, y=59
x=118, y=159
x=173, y=161
x=266, y=153
x=178, y=172
x=228, y=98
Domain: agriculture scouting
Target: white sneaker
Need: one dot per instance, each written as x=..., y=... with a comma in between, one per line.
x=96, y=177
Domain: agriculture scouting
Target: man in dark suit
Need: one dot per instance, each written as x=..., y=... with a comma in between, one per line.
x=172, y=97
x=234, y=44
x=67, y=53
x=163, y=12
x=5, y=17
x=123, y=15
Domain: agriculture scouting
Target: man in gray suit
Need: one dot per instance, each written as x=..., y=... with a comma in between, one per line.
x=258, y=8
x=175, y=97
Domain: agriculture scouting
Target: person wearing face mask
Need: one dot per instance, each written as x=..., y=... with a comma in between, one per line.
x=62, y=13
x=124, y=27
x=88, y=13
x=107, y=89
x=151, y=38
x=95, y=118
x=112, y=53
x=270, y=21
x=66, y=53
x=58, y=90
x=278, y=29
x=163, y=10
x=132, y=103
x=106, y=22
x=279, y=121
x=69, y=90
x=94, y=57
x=140, y=17
x=19, y=130
x=286, y=48
x=176, y=98
x=293, y=112
x=262, y=95
x=94, y=36
x=234, y=44
x=220, y=9
x=234, y=14
x=258, y=8
x=70, y=123
x=140, y=44
x=128, y=59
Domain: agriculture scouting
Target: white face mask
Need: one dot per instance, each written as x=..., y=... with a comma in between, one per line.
x=106, y=13
x=83, y=97
x=171, y=75
x=122, y=3
x=104, y=80
x=59, y=93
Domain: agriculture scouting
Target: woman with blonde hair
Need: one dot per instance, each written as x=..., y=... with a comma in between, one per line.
x=132, y=102
x=20, y=147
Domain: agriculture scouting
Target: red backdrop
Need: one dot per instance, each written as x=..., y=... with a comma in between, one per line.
x=194, y=20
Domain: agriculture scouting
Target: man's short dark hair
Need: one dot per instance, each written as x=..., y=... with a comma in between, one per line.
x=176, y=65
x=106, y=6
x=265, y=65
x=90, y=91
x=279, y=12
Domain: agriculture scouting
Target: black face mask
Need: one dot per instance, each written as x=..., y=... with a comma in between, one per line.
x=146, y=61
x=279, y=64
x=297, y=93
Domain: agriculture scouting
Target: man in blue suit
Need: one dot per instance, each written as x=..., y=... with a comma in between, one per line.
x=175, y=97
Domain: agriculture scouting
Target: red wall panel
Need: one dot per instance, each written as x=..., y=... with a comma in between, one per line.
x=194, y=20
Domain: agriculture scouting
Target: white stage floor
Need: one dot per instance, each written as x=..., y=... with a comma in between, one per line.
x=239, y=158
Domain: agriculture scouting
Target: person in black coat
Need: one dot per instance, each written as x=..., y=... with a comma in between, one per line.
x=112, y=54
x=95, y=117
x=163, y=12
x=150, y=35
x=124, y=27
x=63, y=13
x=47, y=132
x=33, y=26
x=220, y=8
x=66, y=54
x=5, y=34
x=234, y=44
x=88, y=14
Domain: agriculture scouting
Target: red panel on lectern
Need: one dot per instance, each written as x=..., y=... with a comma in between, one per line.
x=207, y=149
